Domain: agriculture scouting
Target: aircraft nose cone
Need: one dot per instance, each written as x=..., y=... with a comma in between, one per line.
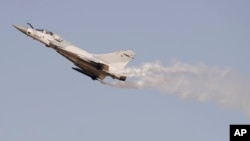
x=21, y=28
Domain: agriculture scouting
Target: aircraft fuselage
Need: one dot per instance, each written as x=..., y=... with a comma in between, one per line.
x=92, y=65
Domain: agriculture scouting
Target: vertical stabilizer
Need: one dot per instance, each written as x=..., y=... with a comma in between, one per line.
x=117, y=60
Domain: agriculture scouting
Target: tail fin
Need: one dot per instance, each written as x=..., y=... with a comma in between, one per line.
x=117, y=60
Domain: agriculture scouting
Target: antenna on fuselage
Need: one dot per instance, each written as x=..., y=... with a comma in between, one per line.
x=30, y=25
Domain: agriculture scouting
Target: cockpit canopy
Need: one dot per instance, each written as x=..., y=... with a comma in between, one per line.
x=45, y=31
x=56, y=37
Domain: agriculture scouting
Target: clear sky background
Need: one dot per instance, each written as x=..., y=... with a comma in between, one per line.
x=42, y=98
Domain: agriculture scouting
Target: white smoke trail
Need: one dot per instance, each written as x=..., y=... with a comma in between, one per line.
x=198, y=82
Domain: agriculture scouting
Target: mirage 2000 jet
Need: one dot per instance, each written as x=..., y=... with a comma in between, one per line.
x=96, y=66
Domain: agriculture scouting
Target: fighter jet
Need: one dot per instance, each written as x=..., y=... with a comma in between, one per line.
x=96, y=66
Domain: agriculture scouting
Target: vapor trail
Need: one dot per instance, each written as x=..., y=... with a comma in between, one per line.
x=198, y=82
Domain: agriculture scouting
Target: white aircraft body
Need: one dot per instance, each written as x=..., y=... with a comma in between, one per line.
x=96, y=66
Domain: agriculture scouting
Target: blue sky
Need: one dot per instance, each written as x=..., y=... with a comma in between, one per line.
x=42, y=98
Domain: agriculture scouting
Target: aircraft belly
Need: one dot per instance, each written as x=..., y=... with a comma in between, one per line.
x=80, y=63
x=84, y=65
x=88, y=68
